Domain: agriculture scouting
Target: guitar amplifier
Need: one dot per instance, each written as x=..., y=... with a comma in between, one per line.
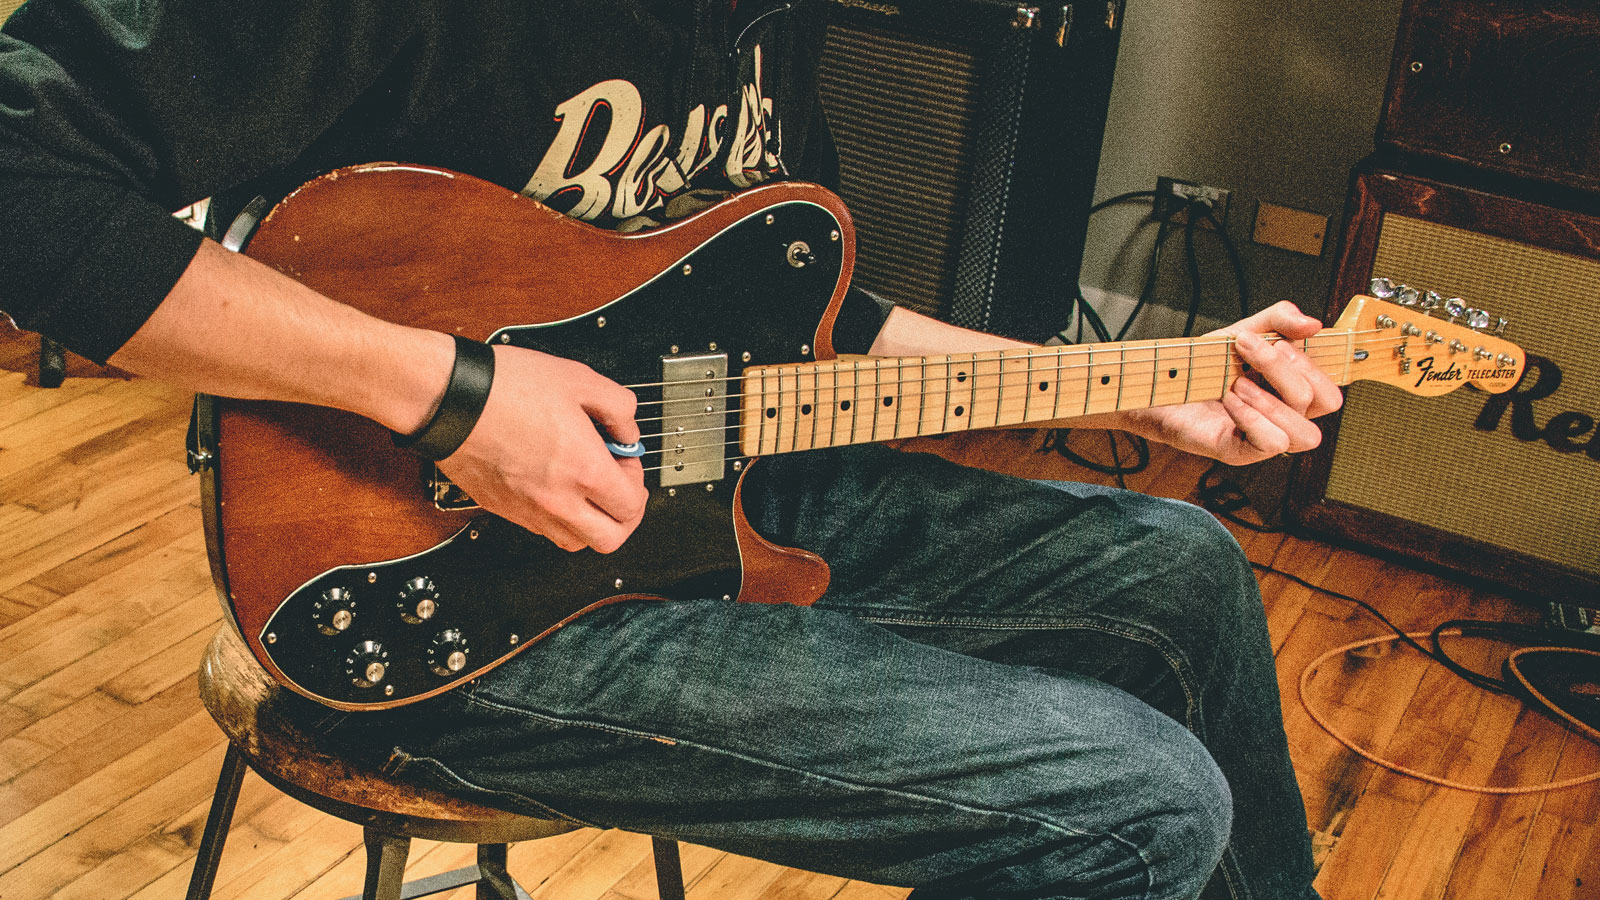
x=969, y=137
x=1506, y=486
x=1507, y=86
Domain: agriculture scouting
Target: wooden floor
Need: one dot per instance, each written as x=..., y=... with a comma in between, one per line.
x=107, y=760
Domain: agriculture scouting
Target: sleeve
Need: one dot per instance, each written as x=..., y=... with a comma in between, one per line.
x=113, y=115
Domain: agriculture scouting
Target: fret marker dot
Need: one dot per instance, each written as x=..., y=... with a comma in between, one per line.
x=1044, y=385
x=1172, y=373
x=960, y=410
x=888, y=401
x=844, y=405
x=1105, y=379
x=772, y=412
x=961, y=376
x=805, y=409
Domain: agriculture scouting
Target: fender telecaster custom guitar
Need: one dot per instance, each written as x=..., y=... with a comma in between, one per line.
x=361, y=579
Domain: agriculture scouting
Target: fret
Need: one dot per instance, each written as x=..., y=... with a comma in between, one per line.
x=1027, y=388
x=936, y=397
x=1138, y=364
x=917, y=393
x=1013, y=381
x=849, y=402
x=805, y=388
x=1057, y=374
x=1170, y=368
x=1209, y=369
x=1349, y=353
x=1105, y=367
x=828, y=404
x=969, y=372
x=886, y=396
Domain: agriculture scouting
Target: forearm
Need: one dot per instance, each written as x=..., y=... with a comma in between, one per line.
x=234, y=327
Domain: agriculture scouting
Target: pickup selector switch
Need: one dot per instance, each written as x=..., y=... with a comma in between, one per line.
x=419, y=600
x=367, y=664
x=448, y=655
x=334, y=611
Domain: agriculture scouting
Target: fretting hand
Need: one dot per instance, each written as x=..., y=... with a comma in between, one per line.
x=1251, y=423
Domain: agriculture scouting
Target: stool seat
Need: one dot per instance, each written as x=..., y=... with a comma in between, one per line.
x=253, y=711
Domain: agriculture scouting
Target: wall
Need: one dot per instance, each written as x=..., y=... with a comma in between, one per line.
x=1274, y=100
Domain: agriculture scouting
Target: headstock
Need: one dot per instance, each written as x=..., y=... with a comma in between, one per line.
x=1426, y=344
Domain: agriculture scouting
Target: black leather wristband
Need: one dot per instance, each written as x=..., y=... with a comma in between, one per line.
x=462, y=404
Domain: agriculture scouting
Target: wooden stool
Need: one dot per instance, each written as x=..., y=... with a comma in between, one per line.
x=262, y=735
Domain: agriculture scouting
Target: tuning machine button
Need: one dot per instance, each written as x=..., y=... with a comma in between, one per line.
x=367, y=664
x=1455, y=308
x=419, y=600
x=448, y=655
x=1431, y=301
x=1477, y=319
x=1407, y=296
x=1382, y=288
x=334, y=611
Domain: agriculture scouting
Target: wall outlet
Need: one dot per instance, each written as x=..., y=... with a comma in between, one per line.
x=1174, y=194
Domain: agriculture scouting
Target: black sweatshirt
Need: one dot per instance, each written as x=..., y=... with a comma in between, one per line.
x=114, y=114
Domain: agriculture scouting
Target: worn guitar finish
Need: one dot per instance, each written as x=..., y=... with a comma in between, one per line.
x=318, y=523
x=361, y=579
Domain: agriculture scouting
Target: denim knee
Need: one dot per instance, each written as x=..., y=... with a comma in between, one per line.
x=1191, y=816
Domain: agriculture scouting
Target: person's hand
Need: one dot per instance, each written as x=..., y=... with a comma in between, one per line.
x=537, y=456
x=1251, y=423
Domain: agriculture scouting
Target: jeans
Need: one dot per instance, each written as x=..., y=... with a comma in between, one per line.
x=1011, y=689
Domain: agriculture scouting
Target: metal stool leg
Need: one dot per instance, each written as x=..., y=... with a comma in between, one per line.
x=494, y=882
x=669, y=869
x=52, y=363
x=217, y=822
x=386, y=865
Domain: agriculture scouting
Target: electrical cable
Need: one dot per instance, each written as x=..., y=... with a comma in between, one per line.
x=1193, y=264
x=1233, y=259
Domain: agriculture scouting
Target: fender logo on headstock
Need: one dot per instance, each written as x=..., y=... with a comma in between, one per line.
x=1453, y=373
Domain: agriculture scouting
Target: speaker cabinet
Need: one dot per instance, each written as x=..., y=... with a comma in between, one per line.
x=1507, y=486
x=1509, y=86
x=969, y=137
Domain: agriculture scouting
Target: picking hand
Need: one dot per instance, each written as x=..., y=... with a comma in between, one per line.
x=537, y=458
x=1251, y=423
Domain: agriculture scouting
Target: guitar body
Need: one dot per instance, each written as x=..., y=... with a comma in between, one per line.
x=325, y=538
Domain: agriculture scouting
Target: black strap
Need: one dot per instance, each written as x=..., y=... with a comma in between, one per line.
x=462, y=404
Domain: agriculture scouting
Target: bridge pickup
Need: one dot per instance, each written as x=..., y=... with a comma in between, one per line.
x=694, y=418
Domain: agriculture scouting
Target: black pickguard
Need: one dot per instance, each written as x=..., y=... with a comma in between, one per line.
x=498, y=585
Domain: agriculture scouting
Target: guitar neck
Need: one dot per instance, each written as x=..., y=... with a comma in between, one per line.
x=829, y=404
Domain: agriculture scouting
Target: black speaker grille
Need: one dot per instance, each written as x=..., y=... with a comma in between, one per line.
x=902, y=112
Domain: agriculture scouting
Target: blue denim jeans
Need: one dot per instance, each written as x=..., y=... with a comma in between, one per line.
x=1011, y=689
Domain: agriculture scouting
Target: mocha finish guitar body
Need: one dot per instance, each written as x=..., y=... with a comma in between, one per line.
x=352, y=573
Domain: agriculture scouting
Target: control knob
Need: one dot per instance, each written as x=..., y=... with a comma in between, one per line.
x=333, y=612
x=367, y=664
x=448, y=655
x=419, y=600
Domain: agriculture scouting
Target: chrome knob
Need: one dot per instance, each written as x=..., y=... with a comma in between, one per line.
x=419, y=600
x=1382, y=288
x=367, y=664
x=334, y=611
x=1407, y=296
x=1431, y=301
x=449, y=652
x=1477, y=319
x=1455, y=307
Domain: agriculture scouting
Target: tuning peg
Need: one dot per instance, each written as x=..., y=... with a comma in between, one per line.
x=1431, y=301
x=1477, y=319
x=1455, y=307
x=1499, y=329
x=1382, y=288
x=1406, y=296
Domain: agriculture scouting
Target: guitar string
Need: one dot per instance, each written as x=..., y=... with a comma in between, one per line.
x=869, y=438
x=903, y=363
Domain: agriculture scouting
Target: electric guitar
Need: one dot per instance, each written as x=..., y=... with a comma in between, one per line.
x=359, y=577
